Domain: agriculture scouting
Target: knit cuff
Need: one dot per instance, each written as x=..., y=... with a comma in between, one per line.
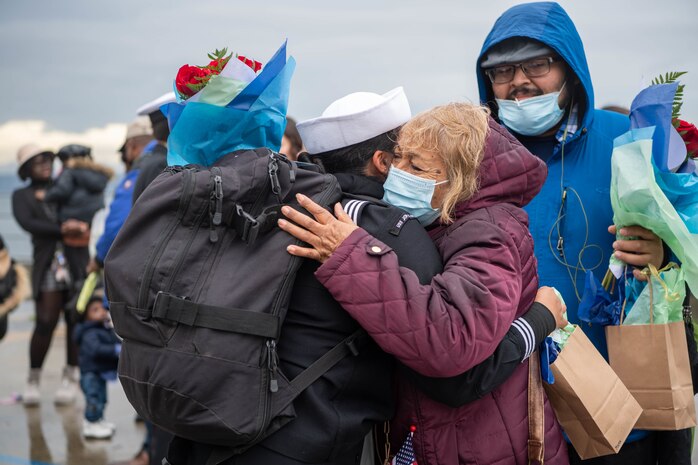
x=534, y=326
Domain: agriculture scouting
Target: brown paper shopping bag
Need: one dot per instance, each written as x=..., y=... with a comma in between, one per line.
x=591, y=403
x=652, y=361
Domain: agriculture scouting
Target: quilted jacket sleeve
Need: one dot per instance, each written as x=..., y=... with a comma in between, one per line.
x=443, y=328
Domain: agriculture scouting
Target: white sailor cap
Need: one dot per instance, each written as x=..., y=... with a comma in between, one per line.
x=355, y=118
x=154, y=105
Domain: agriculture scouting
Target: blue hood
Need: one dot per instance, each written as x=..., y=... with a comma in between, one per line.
x=546, y=22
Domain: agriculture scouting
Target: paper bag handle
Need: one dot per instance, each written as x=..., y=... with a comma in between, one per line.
x=651, y=271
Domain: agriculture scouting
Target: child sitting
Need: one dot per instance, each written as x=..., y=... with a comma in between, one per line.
x=79, y=189
x=99, y=356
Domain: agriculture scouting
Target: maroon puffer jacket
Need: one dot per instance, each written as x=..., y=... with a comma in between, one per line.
x=449, y=326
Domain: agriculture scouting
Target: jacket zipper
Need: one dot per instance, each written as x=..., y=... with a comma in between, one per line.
x=150, y=266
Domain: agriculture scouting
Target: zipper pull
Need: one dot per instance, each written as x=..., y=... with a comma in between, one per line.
x=218, y=187
x=217, y=205
x=273, y=176
x=272, y=364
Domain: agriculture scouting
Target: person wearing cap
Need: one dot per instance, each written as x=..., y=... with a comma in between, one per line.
x=139, y=134
x=355, y=140
x=465, y=179
x=56, y=266
x=154, y=158
x=151, y=162
x=337, y=411
x=361, y=169
x=532, y=73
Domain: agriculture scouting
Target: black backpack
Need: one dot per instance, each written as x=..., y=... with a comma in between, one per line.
x=199, y=283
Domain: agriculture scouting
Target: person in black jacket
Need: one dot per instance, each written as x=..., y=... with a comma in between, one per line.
x=56, y=266
x=337, y=411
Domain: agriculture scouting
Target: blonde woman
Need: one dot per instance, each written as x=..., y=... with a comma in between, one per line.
x=467, y=180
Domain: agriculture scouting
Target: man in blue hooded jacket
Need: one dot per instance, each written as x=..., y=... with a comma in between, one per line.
x=532, y=73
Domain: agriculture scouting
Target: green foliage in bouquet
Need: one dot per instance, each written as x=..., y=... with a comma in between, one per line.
x=669, y=78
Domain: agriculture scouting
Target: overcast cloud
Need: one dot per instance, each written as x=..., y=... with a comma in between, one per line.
x=77, y=70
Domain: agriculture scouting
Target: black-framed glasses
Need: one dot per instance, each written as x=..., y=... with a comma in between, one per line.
x=536, y=67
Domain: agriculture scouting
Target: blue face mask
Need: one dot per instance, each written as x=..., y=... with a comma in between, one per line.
x=411, y=193
x=532, y=116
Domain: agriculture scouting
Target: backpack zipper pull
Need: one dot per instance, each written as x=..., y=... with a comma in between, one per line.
x=273, y=365
x=273, y=176
x=217, y=217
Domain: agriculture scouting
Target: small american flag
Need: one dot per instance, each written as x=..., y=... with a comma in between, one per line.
x=405, y=456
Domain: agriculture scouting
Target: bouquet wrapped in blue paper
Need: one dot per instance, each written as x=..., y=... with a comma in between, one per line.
x=653, y=182
x=654, y=185
x=230, y=104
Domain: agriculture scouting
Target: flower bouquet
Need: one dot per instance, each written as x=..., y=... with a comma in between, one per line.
x=654, y=183
x=231, y=103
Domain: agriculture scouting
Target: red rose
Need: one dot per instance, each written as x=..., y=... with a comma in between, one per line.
x=254, y=64
x=689, y=134
x=186, y=76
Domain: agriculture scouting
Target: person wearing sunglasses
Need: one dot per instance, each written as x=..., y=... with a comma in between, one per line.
x=533, y=75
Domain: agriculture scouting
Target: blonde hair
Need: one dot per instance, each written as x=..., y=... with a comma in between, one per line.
x=457, y=133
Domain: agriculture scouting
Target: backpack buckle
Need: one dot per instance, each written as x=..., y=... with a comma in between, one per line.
x=245, y=224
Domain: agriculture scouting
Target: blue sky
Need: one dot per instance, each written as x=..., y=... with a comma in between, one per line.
x=78, y=69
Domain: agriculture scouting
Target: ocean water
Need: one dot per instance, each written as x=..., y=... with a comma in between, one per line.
x=16, y=239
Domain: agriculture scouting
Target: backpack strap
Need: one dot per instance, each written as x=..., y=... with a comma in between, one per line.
x=350, y=345
x=173, y=308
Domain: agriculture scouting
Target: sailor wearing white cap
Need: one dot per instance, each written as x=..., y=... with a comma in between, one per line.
x=154, y=158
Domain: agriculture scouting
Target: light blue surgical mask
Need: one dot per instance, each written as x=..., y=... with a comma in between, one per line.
x=411, y=193
x=532, y=116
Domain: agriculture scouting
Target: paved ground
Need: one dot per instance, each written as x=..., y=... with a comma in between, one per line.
x=47, y=434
